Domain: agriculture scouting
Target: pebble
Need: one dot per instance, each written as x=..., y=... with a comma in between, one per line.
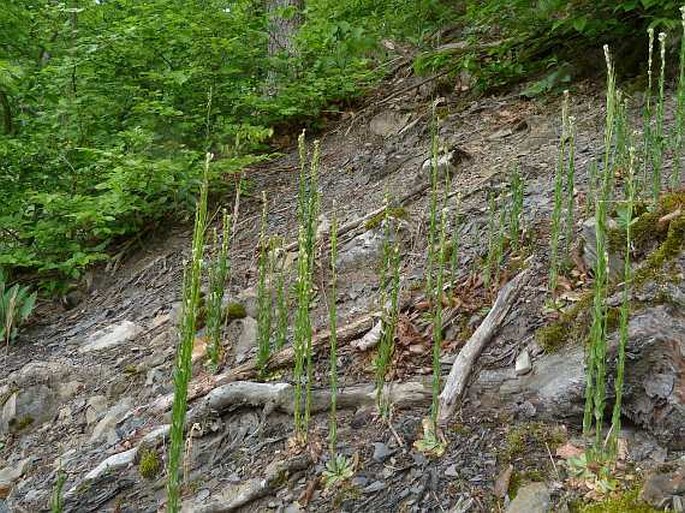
x=523, y=364
x=376, y=486
x=380, y=452
x=111, y=336
x=451, y=471
x=360, y=481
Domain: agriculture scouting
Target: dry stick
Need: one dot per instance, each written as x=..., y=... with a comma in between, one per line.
x=249, y=369
x=461, y=368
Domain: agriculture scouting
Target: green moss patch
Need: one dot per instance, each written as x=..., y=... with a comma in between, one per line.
x=396, y=212
x=149, y=465
x=235, y=311
x=627, y=502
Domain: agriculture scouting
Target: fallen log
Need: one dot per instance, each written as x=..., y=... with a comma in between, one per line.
x=281, y=396
x=249, y=369
x=461, y=368
x=237, y=496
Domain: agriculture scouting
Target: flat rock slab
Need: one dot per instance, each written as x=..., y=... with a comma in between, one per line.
x=10, y=475
x=247, y=340
x=532, y=498
x=111, y=336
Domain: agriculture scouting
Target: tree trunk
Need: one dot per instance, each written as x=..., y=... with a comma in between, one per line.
x=6, y=113
x=284, y=21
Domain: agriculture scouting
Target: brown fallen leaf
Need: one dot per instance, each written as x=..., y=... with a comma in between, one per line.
x=308, y=493
x=502, y=481
x=568, y=450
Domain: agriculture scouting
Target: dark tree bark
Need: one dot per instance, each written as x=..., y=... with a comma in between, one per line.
x=6, y=113
x=282, y=30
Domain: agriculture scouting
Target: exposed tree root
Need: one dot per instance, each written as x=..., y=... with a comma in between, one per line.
x=249, y=369
x=235, y=497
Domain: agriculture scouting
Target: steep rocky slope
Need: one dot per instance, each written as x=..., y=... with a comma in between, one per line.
x=83, y=387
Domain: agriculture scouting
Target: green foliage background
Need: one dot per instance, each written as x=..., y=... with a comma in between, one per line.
x=107, y=112
x=106, y=109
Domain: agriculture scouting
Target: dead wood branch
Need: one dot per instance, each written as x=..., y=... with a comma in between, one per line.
x=461, y=369
x=281, y=396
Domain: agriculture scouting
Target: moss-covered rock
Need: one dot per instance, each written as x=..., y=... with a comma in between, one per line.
x=234, y=311
x=656, y=239
x=626, y=502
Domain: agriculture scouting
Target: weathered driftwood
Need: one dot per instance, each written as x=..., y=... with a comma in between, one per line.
x=654, y=388
x=281, y=396
x=235, y=497
x=461, y=368
x=249, y=369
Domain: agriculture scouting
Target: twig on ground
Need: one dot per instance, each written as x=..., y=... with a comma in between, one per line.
x=461, y=369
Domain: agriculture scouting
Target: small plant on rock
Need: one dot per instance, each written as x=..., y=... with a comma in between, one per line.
x=679, y=139
x=308, y=206
x=279, y=268
x=658, y=140
x=149, y=465
x=57, y=500
x=389, y=298
x=187, y=329
x=516, y=208
x=333, y=356
x=264, y=303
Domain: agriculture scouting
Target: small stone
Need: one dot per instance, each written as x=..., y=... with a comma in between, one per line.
x=114, y=462
x=248, y=298
x=293, y=508
x=531, y=498
x=106, y=427
x=247, y=340
x=665, y=489
x=387, y=472
x=111, y=336
x=153, y=376
x=419, y=459
x=199, y=350
x=387, y=123
x=380, y=452
x=96, y=406
x=451, y=471
x=69, y=389
x=202, y=494
x=376, y=486
x=523, y=364
x=360, y=481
